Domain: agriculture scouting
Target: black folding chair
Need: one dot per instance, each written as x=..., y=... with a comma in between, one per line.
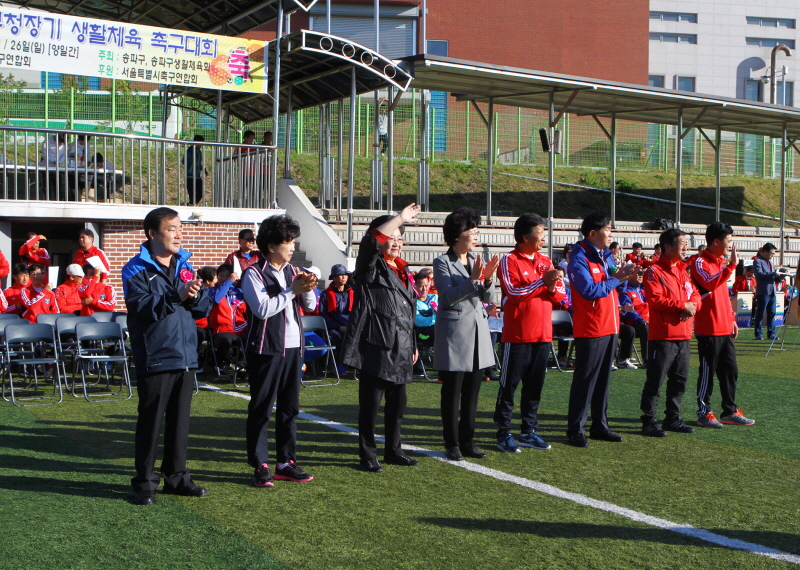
x=316, y=324
x=238, y=354
x=31, y=348
x=50, y=318
x=103, y=345
x=67, y=346
x=103, y=316
x=562, y=320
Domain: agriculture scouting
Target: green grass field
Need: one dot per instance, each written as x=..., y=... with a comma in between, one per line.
x=65, y=472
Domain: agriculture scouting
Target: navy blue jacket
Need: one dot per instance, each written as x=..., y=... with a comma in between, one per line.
x=766, y=277
x=162, y=328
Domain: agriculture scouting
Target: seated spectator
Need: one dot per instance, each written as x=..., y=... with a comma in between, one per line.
x=208, y=275
x=317, y=293
x=335, y=305
x=228, y=317
x=635, y=256
x=31, y=253
x=246, y=255
x=745, y=283
x=13, y=294
x=36, y=298
x=267, y=138
x=67, y=294
x=87, y=249
x=78, y=150
x=616, y=250
x=563, y=329
x=101, y=178
x=54, y=160
x=635, y=314
x=4, y=266
x=426, y=306
x=648, y=261
x=565, y=261
x=96, y=294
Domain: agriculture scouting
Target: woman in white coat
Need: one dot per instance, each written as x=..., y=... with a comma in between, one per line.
x=462, y=344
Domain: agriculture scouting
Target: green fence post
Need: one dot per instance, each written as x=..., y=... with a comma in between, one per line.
x=519, y=135
x=71, y=107
x=299, y=115
x=150, y=114
x=46, y=99
x=432, y=136
x=565, y=141
x=467, y=135
x=113, y=105
x=496, y=136
x=413, y=123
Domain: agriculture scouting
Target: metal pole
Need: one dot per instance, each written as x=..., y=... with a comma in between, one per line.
x=424, y=26
x=490, y=162
x=287, y=147
x=390, y=150
x=339, y=160
x=613, y=170
x=679, y=164
x=351, y=163
x=551, y=165
x=718, y=169
x=783, y=191
x=276, y=94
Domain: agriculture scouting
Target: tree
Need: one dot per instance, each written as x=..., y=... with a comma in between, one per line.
x=10, y=95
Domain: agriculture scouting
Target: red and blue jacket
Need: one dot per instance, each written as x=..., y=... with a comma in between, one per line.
x=630, y=294
x=594, y=291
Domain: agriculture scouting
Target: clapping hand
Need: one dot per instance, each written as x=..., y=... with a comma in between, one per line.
x=477, y=268
x=626, y=271
x=303, y=283
x=190, y=288
x=490, y=267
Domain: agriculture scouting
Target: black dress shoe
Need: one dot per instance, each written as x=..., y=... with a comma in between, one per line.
x=577, y=440
x=144, y=498
x=186, y=490
x=472, y=452
x=370, y=465
x=607, y=436
x=400, y=459
x=453, y=453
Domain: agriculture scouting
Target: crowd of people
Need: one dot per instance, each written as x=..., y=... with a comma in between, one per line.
x=381, y=314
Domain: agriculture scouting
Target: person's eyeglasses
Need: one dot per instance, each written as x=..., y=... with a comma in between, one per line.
x=250, y=240
x=473, y=233
x=36, y=274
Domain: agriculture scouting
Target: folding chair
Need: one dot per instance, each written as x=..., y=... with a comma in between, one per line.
x=9, y=319
x=424, y=336
x=67, y=349
x=103, y=316
x=316, y=324
x=561, y=318
x=31, y=345
x=237, y=347
x=108, y=338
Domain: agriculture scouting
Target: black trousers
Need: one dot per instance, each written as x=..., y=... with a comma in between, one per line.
x=670, y=359
x=590, y=383
x=194, y=188
x=371, y=391
x=527, y=362
x=463, y=387
x=223, y=345
x=162, y=397
x=273, y=380
x=717, y=356
x=627, y=334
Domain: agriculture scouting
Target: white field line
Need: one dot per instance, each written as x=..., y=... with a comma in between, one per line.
x=685, y=529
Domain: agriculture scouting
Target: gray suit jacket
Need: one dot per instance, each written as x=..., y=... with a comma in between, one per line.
x=461, y=318
x=765, y=276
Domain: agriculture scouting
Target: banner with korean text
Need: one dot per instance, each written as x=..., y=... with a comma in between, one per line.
x=43, y=41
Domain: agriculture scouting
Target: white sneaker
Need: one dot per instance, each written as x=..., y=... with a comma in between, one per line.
x=627, y=364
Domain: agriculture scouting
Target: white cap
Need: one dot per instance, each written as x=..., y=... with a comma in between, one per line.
x=315, y=270
x=75, y=270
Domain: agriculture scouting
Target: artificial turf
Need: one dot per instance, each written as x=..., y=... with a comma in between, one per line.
x=65, y=488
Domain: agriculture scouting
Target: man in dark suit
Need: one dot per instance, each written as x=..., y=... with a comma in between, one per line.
x=766, y=278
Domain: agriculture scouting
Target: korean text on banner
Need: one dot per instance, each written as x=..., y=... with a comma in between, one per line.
x=43, y=41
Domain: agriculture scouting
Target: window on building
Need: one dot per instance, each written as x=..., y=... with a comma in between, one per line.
x=674, y=17
x=771, y=22
x=686, y=83
x=55, y=81
x=752, y=89
x=784, y=94
x=438, y=47
x=655, y=81
x=674, y=38
x=397, y=35
x=768, y=42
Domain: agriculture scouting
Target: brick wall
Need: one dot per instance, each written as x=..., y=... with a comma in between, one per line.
x=209, y=243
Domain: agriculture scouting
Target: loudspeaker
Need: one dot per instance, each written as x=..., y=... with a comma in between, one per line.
x=545, y=140
x=557, y=142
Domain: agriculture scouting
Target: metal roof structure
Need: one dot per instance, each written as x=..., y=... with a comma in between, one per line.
x=316, y=68
x=221, y=17
x=474, y=81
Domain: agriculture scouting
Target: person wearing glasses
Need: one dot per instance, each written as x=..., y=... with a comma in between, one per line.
x=462, y=341
x=246, y=255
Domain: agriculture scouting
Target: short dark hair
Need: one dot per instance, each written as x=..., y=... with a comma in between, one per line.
x=207, y=273
x=199, y=138
x=19, y=268
x=567, y=248
x=636, y=244
x=748, y=268
x=87, y=232
x=769, y=246
x=594, y=222
x=244, y=232
x=87, y=266
x=34, y=266
x=276, y=230
x=458, y=221
x=613, y=245
x=424, y=273
x=248, y=133
x=380, y=220
x=525, y=224
x=669, y=237
x=717, y=230
x=225, y=267
x=153, y=219
x=657, y=246
x=31, y=234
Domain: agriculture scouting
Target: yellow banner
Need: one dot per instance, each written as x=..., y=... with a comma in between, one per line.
x=43, y=41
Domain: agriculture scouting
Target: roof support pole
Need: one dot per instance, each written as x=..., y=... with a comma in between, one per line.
x=679, y=167
x=613, y=169
x=287, y=142
x=276, y=100
x=351, y=162
x=490, y=162
x=423, y=168
x=784, y=154
x=718, y=171
x=390, y=151
x=339, y=159
x=551, y=164
x=162, y=171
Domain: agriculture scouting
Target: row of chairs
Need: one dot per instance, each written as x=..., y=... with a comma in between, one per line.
x=34, y=351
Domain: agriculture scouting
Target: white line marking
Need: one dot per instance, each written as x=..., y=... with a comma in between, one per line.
x=685, y=529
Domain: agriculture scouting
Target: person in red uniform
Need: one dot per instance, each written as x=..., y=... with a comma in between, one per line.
x=30, y=253
x=594, y=280
x=67, y=294
x=228, y=317
x=3, y=303
x=530, y=286
x=4, y=267
x=208, y=275
x=96, y=294
x=246, y=255
x=635, y=256
x=88, y=249
x=672, y=301
x=13, y=294
x=36, y=299
x=746, y=282
x=634, y=313
x=654, y=258
x=715, y=328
